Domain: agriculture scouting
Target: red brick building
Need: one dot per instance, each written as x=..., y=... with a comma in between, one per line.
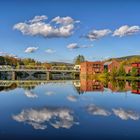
x=137, y=66
x=109, y=65
x=91, y=68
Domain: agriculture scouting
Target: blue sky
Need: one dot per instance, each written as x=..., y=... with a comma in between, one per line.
x=63, y=29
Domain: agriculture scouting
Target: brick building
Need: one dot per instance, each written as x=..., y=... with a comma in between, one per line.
x=109, y=65
x=91, y=68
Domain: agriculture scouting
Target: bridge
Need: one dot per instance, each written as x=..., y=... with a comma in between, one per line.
x=38, y=70
x=31, y=72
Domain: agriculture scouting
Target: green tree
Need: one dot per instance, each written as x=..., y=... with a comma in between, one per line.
x=114, y=73
x=79, y=59
x=121, y=71
x=134, y=72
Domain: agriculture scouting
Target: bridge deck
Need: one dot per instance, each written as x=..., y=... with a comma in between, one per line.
x=36, y=70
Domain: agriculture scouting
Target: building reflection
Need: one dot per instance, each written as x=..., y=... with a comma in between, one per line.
x=91, y=85
x=136, y=87
x=87, y=85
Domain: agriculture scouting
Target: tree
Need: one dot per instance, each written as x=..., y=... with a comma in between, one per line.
x=134, y=72
x=113, y=73
x=121, y=71
x=79, y=59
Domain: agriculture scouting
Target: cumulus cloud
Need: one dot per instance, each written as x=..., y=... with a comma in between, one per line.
x=126, y=114
x=38, y=118
x=97, y=34
x=39, y=27
x=50, y=51
x=30, y=94
x=31, y=49
x=72, y=98
x=126, y=30
x=95, y=110
x=73, y=46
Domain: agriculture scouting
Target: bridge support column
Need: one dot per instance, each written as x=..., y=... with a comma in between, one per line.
x=48, y=75
x=13, y=75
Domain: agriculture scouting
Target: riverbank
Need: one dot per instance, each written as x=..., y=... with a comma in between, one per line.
x=127, y=78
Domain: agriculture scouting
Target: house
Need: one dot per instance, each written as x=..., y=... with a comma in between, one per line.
x=77, y=67
x=109, y=65
x=91, y=68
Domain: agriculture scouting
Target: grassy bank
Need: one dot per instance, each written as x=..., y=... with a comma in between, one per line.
x=104, y=77
x=127, y=78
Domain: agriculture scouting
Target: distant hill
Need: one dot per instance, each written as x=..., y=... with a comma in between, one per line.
x=127, y=57
x=61, y=63
x=127, y=60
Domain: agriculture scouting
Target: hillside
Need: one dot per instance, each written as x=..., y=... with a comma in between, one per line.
x=127, y=60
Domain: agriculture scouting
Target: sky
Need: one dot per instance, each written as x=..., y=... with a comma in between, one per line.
x=59, y=30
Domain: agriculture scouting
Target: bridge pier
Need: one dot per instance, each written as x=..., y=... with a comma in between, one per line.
x=13, y=75
x=48, y=75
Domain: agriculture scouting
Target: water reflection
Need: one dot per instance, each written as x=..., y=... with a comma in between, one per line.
x=39, y=118
x=126, y=114
x=95, y=110
x=30, y=94
x=85, y=106
x=89, y=85
x=72, y=98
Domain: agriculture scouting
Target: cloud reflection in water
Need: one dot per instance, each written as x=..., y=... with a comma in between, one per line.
x=56, y=117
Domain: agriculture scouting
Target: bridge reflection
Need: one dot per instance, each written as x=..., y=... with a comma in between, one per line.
x=82, y=85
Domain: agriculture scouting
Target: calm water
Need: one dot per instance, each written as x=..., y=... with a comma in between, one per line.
x=67, y=109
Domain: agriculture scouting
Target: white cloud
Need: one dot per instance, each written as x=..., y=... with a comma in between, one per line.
x=63, y=20
x=77, y=46
x=126, y=114
x=73, y=46
x=126, y=30
x=8, y=54
x=31, y=49
x=86, y=46
x=56, y=117
x=72, y=98
x=95, y=110
x=38, y=27
x=38, y=18
x=50, y=51
x=30, y=94
x=97, y=34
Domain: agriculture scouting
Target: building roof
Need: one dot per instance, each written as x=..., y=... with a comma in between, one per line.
x=108, y=63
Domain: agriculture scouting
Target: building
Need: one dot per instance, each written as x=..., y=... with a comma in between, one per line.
x=137, y=66
x=77, y=67
x=109, y=65
x=91, y=68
